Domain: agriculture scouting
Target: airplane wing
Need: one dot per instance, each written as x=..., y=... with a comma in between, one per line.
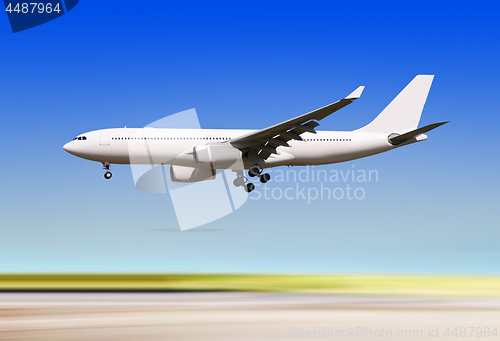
x=264, y=142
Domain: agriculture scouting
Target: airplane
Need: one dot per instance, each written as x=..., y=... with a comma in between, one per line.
x=196, y=154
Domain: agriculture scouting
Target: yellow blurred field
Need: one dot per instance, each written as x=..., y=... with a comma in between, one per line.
x=335, y=284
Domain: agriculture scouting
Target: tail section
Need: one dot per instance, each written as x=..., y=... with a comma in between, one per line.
x=403, y=113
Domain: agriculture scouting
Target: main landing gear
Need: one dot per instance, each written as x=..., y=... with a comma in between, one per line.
x=242, y=181
x=253, y=172
x=257, y=171
x=249, y=187
x=108, y=174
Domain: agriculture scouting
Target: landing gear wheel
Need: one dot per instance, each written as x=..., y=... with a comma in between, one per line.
x=265, y=178
x=254, y=171
x=249, y=187
x=107, y=175
x=239, y=181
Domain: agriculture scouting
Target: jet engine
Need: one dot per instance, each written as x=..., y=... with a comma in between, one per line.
x=190, y=174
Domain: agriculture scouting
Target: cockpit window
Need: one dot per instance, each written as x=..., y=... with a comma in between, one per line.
x=84, y=137
x=80, y=138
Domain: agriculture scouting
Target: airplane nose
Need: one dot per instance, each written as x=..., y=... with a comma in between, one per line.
x=67, y=147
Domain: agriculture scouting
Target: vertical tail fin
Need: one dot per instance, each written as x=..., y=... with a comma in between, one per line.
x=403, y=113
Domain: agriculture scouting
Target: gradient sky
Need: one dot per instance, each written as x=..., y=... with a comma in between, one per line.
x=252, y=64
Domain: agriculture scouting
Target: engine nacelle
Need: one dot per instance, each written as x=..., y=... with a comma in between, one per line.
x=217, y=154
x=190, y=174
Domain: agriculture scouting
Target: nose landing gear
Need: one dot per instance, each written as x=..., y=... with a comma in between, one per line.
x=108, y=174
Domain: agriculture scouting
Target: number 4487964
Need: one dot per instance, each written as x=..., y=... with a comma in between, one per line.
x=32, y=7
x=471, y=332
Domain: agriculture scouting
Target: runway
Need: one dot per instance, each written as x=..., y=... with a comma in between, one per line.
x=243, y=316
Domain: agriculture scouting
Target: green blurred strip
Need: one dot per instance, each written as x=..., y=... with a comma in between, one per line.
x=335, y=284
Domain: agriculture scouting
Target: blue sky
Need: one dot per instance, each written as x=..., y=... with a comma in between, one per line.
x=251, y=65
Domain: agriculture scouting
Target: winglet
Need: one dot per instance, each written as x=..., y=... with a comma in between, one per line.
x=356, y=93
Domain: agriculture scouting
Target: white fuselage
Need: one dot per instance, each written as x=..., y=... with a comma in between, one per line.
x=174, y=146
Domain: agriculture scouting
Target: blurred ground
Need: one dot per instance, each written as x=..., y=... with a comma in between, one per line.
x=243, y=316
x=402, y=285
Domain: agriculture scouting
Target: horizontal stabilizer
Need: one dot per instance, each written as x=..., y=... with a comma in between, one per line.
x=414, y=133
